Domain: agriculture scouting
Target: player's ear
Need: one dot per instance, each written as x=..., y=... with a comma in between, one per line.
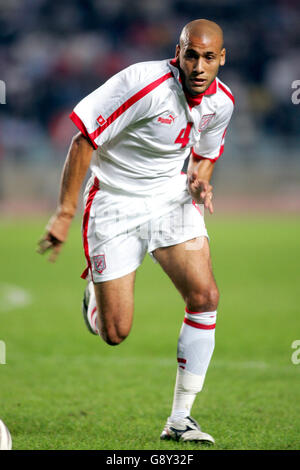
x=223, y=56
x=177, y=51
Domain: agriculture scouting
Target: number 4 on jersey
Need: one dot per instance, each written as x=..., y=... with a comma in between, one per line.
x=183, y=137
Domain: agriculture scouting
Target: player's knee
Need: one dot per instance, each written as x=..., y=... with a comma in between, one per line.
x=203, y=300
x=114, y=340
x=114, y=335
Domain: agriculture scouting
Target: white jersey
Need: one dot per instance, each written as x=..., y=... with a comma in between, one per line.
x=143, y=126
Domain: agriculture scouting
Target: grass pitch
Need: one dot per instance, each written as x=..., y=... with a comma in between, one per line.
x=62, y=388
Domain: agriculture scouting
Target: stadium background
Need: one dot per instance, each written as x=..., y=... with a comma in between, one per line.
x=51, y=55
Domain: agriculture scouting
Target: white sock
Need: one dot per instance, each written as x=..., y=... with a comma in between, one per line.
x=195, y=348
x=92, y=313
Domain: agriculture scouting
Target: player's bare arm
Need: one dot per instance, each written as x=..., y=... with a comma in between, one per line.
x=74, y=171
x=199, y=174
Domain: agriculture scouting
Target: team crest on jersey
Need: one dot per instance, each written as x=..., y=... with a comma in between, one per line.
x=101, y=120
x=205, y=120
x=99, y=263
x=166, y=119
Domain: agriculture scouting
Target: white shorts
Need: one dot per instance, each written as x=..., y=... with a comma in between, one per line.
x=118, y=230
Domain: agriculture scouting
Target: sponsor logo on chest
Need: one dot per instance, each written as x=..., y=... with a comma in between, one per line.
x=166, y=119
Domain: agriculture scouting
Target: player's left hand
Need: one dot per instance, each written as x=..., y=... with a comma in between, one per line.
x=201, y=191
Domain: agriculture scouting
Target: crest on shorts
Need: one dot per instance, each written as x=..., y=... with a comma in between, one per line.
x=99, y=263
x=205, y=120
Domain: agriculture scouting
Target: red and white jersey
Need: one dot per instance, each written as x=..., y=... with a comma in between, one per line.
x=143, y=126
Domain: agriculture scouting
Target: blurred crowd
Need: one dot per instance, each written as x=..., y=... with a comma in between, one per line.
x=53, y=53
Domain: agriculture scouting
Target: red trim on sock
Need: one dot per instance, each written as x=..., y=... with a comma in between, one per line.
x=192, y=313
x=199, y=325
x=179, y=359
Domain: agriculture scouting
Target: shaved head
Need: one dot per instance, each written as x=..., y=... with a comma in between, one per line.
x=199, y=54
x=199, y=29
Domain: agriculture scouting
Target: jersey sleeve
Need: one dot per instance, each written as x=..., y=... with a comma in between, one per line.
x=104, y=113
x=212, y=139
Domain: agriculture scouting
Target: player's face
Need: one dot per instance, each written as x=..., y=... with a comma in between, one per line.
x=199, y=60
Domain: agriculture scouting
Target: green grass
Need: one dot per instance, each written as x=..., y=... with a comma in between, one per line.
x=62, y=388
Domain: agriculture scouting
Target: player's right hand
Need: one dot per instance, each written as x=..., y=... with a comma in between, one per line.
x=49, y=242
x=55, y=235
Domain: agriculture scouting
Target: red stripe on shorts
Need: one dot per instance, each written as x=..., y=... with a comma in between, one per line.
x=85, y=225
